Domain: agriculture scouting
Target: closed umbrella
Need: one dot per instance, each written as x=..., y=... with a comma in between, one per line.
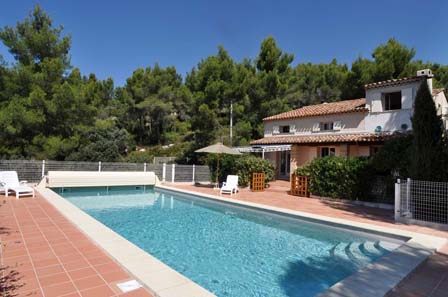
x=218, y=149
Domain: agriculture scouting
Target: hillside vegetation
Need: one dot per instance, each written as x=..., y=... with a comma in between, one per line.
x=49, y=109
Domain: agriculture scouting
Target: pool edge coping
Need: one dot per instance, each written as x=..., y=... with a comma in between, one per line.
x=365, y=281
x=159, y=278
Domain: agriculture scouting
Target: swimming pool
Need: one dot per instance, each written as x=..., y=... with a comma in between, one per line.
x=229, y=250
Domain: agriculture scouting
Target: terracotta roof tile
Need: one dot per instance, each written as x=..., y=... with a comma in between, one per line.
x=393, y=82
x=327, y=138
x=346, y=106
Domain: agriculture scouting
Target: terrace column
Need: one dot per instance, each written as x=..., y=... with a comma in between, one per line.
x=295, y=155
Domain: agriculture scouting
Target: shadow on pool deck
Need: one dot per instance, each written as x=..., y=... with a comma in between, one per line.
x=10, y=282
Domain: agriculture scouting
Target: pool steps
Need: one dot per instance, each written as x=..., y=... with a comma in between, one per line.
x=361, y=253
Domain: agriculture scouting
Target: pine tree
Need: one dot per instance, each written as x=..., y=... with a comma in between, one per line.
x=427, y=158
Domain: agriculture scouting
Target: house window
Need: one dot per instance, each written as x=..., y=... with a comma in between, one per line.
x=392, y=101
x=284, y=129
x=327, y=151
x=326, y=126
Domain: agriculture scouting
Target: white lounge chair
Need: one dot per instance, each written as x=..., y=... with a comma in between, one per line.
x=231, y=185
x=3, y=189
x=10, y=182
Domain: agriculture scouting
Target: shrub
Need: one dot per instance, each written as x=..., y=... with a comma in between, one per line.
x=248, y=164
x=338, y=177
x=140, y=157
x=226, y=166
x=243, y=166
x=175, y=150
x=394, y=157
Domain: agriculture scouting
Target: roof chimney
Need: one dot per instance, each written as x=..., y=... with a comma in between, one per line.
x=428, y=74
x=425, y=72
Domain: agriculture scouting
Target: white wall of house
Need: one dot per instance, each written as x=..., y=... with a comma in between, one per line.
x=390, y=120
x=442, y=108
x=349, y=123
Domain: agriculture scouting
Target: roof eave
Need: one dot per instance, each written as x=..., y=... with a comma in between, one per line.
x=386, y=83
x=268, y=119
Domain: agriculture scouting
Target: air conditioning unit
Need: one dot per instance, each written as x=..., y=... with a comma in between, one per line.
x=424, y=72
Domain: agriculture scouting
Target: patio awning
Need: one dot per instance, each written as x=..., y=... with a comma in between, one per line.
x=263, y=148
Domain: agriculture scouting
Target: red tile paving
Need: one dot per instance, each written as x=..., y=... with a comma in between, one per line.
x=43, y=254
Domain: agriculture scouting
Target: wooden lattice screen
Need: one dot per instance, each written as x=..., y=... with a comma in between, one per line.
x=300, y=185
x=257, y=182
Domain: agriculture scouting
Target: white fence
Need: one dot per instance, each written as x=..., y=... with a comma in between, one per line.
x=421, y=202
x=34, y=170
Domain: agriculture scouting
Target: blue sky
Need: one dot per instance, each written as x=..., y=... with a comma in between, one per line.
x=113, y=38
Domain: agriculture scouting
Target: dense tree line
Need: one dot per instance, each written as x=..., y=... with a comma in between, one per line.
x=48, y=109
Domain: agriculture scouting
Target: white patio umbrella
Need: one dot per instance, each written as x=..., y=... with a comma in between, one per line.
x=218, y=149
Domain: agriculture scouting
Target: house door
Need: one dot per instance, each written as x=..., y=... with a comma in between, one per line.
x=285, y=163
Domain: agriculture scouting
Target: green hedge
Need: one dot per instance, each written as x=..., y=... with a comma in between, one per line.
x=248, y=164
x=337, y=177
x=243, y=166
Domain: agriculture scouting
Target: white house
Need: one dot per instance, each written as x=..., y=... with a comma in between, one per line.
x=355, y=127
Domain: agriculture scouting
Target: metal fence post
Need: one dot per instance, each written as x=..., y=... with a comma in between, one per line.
x=194, y=171
x=144, y=167
x=43, y=168
x=408, y=199
x=397, y=205
x=173, y=172
x=164, y=172
x=99, y=166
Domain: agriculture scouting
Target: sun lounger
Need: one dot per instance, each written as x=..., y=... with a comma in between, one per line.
x=231, y=185
x=10, y=182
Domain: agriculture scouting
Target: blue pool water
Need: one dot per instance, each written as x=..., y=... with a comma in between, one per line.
x=231, y=251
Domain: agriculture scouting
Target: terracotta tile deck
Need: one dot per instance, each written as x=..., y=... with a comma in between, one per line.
x=43, y=254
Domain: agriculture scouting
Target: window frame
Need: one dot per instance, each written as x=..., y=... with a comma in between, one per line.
x=282, y=129
x=388, y=101
x=331, y=151
x=326, y=126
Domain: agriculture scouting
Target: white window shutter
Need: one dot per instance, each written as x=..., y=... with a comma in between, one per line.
x=275, y=130
x=377, y=105
x=337, y=125
x=316, y=127
x=292, y=128
x=406, y=98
